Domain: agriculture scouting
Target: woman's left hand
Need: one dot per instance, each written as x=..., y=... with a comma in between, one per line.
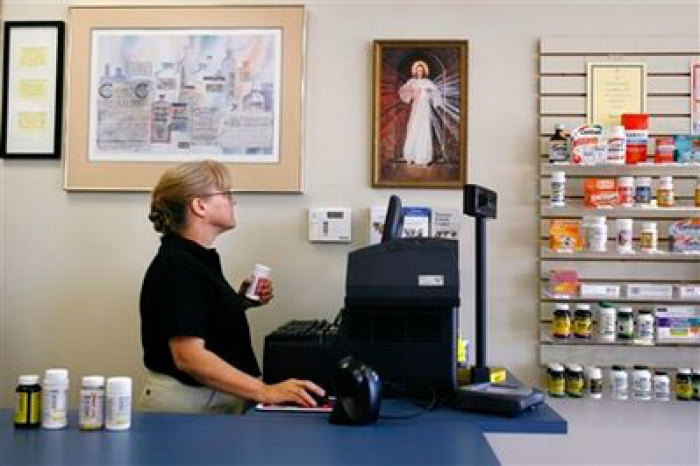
x=265, y=291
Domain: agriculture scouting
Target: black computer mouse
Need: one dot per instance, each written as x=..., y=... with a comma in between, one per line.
x=358, y=390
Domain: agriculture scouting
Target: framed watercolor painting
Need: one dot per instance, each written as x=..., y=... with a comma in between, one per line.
x=224, y=84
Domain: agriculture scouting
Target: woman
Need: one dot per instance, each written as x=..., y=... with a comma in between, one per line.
x=423, y=96
x=194, y=331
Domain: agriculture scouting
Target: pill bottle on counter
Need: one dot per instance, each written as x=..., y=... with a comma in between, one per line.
x=118, y=403
x=92, y=403
x=28, y=402
x=54, y=402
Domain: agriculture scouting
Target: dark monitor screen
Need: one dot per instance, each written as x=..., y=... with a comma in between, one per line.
x=393, y=223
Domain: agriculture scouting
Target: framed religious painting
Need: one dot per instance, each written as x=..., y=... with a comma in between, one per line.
x=153, y=87
x=32, y=92
x=420, y=113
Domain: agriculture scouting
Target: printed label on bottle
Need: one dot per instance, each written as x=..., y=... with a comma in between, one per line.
x=582, y=327
x=556, y=386
x=21, y=408
x=557, y=151
x=561, y=327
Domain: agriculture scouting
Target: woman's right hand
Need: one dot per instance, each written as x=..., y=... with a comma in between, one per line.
x=294, y=391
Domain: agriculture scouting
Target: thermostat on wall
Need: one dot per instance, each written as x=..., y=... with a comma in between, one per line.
x=332, y=225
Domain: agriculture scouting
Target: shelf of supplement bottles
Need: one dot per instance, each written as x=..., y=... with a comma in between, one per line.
x=546, y=296
x=642, y=169
x=575, y=208
x=547, y=338
x=659, y=256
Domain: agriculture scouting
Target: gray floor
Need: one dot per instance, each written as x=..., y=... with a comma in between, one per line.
x=610, y=432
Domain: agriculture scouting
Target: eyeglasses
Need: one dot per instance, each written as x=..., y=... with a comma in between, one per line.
x=228, y=194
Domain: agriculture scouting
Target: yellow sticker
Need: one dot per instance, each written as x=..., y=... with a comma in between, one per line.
x=33, y=122
x=21, y=408
x=32, y=88
x=33, y=57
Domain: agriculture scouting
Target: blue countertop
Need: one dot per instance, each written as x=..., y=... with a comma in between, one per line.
x=438, y=437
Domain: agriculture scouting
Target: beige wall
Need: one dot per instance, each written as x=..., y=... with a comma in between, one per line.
x=72, y=263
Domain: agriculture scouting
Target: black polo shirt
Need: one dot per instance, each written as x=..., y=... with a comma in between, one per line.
x=185, y=294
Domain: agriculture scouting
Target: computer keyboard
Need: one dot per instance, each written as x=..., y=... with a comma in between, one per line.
x=304, y=330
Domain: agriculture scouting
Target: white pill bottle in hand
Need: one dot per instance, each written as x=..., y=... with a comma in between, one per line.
x=261, y=275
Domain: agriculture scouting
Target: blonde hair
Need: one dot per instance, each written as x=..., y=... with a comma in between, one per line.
x=178, y=186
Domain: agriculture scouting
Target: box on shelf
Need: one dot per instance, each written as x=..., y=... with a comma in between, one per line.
x=677, y=324
x=649, y=290
x=685, y=235
x=600, y=192
x=563, y=282
x=688, y=291
x=565, y=236
x=599, y=290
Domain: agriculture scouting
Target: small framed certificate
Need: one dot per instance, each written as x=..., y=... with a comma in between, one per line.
x=32, y=90
x=614, y=88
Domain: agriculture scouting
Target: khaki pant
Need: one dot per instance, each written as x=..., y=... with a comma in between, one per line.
x=164, y=394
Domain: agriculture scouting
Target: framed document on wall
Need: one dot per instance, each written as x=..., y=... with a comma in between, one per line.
x=153, y=87
x=614, y=88
x=32, y=91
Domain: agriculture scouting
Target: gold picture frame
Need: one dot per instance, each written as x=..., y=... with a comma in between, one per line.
x=420, y=113
x=243, y=108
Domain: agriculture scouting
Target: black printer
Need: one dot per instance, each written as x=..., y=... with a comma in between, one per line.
x=400, y=317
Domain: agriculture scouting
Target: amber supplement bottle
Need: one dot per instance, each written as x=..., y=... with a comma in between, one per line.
x=28, y=406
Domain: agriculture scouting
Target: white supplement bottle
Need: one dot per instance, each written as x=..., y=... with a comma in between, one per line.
x=92, y=403
x=558, y=194
x=641, y=383
x=624, y=235
x=617, y=145
x=260, y=273
x=618, y=383
x=649, y=238
x=607, y=322
x=625, y=191
x=664, y=195
x=118, y=412
x=644, y=327
x=54, y=402
x=596, y=233
x=662, y=386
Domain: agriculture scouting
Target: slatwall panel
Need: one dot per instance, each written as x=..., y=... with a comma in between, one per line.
x=562, y=99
